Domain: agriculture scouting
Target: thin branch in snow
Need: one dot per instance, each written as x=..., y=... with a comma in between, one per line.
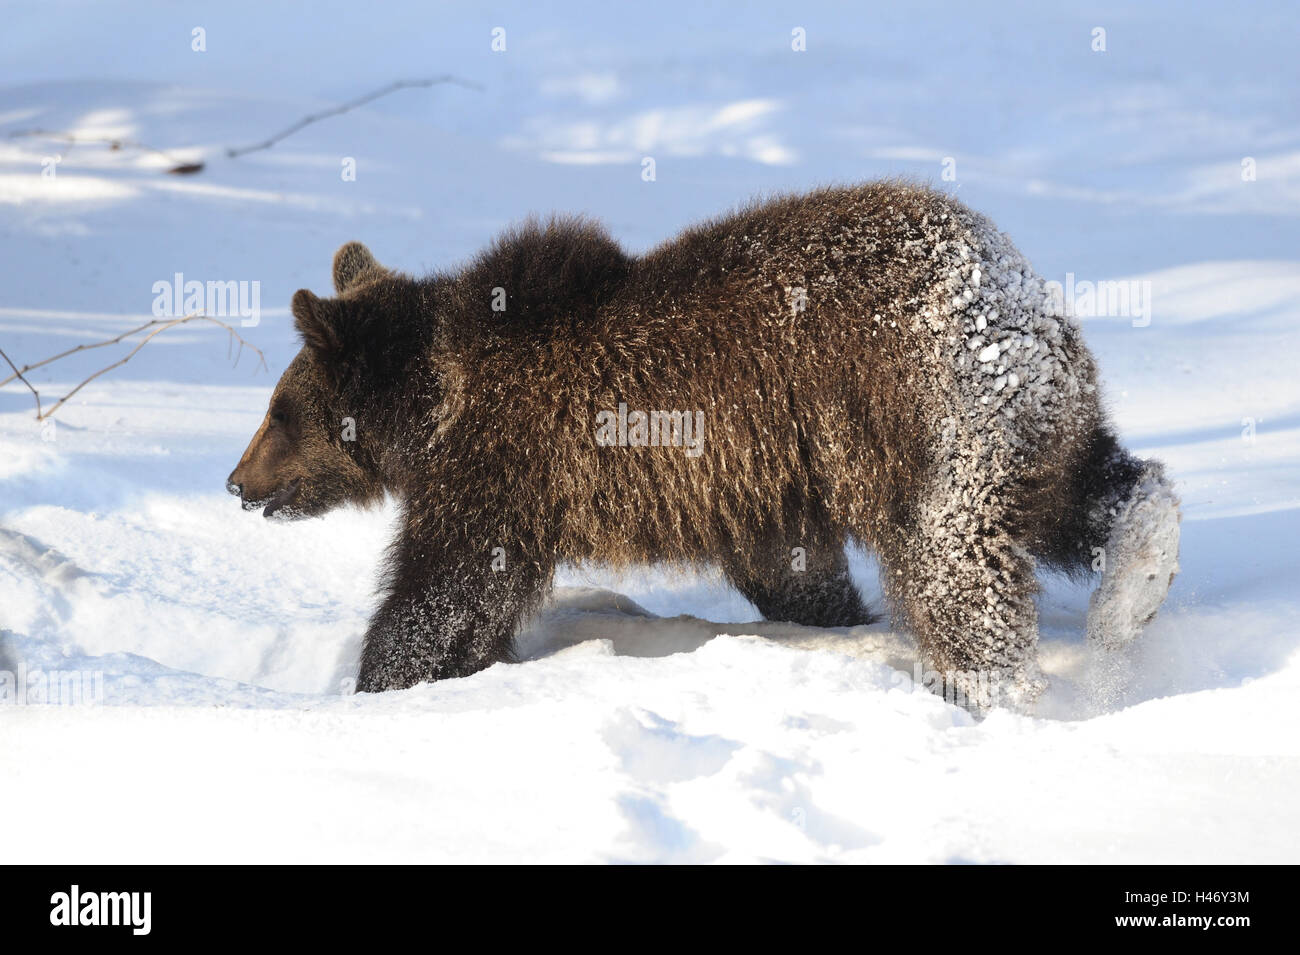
x=351, y=104
x=19, y=375
x=158, y=326
x=181, y=167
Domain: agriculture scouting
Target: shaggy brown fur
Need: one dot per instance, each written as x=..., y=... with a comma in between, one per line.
x=872, y=363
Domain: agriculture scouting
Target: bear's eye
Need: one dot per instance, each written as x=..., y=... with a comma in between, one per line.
x=278, y=417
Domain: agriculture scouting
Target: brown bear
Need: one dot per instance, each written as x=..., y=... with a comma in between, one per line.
x=874, y=364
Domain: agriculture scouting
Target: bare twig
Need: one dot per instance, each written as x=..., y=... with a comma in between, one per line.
x=182, y=167
x=73, y=351
x=351, y=104
x=19, y=375
x=159, y=325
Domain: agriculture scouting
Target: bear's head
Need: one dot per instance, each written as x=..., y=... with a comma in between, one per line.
x=314, y=450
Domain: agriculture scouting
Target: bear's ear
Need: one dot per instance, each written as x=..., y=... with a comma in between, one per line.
x=350, y=262
x=314, y=320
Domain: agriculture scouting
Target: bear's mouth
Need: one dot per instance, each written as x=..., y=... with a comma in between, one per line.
x=282, y=497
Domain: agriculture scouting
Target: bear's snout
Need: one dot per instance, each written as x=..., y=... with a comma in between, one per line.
x=238, y=485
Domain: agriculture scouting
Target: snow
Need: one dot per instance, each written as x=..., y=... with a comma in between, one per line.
x=651, y=718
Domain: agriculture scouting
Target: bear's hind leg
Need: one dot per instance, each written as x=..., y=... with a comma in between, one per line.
x=810, y=585
x=966, y=589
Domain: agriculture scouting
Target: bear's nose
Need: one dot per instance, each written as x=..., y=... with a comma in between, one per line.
x=232, y=487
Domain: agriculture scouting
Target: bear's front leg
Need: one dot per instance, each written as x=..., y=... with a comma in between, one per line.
x=453, y=608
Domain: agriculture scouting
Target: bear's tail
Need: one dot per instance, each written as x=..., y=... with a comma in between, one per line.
x=1139, y=559
x=1102, y=510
